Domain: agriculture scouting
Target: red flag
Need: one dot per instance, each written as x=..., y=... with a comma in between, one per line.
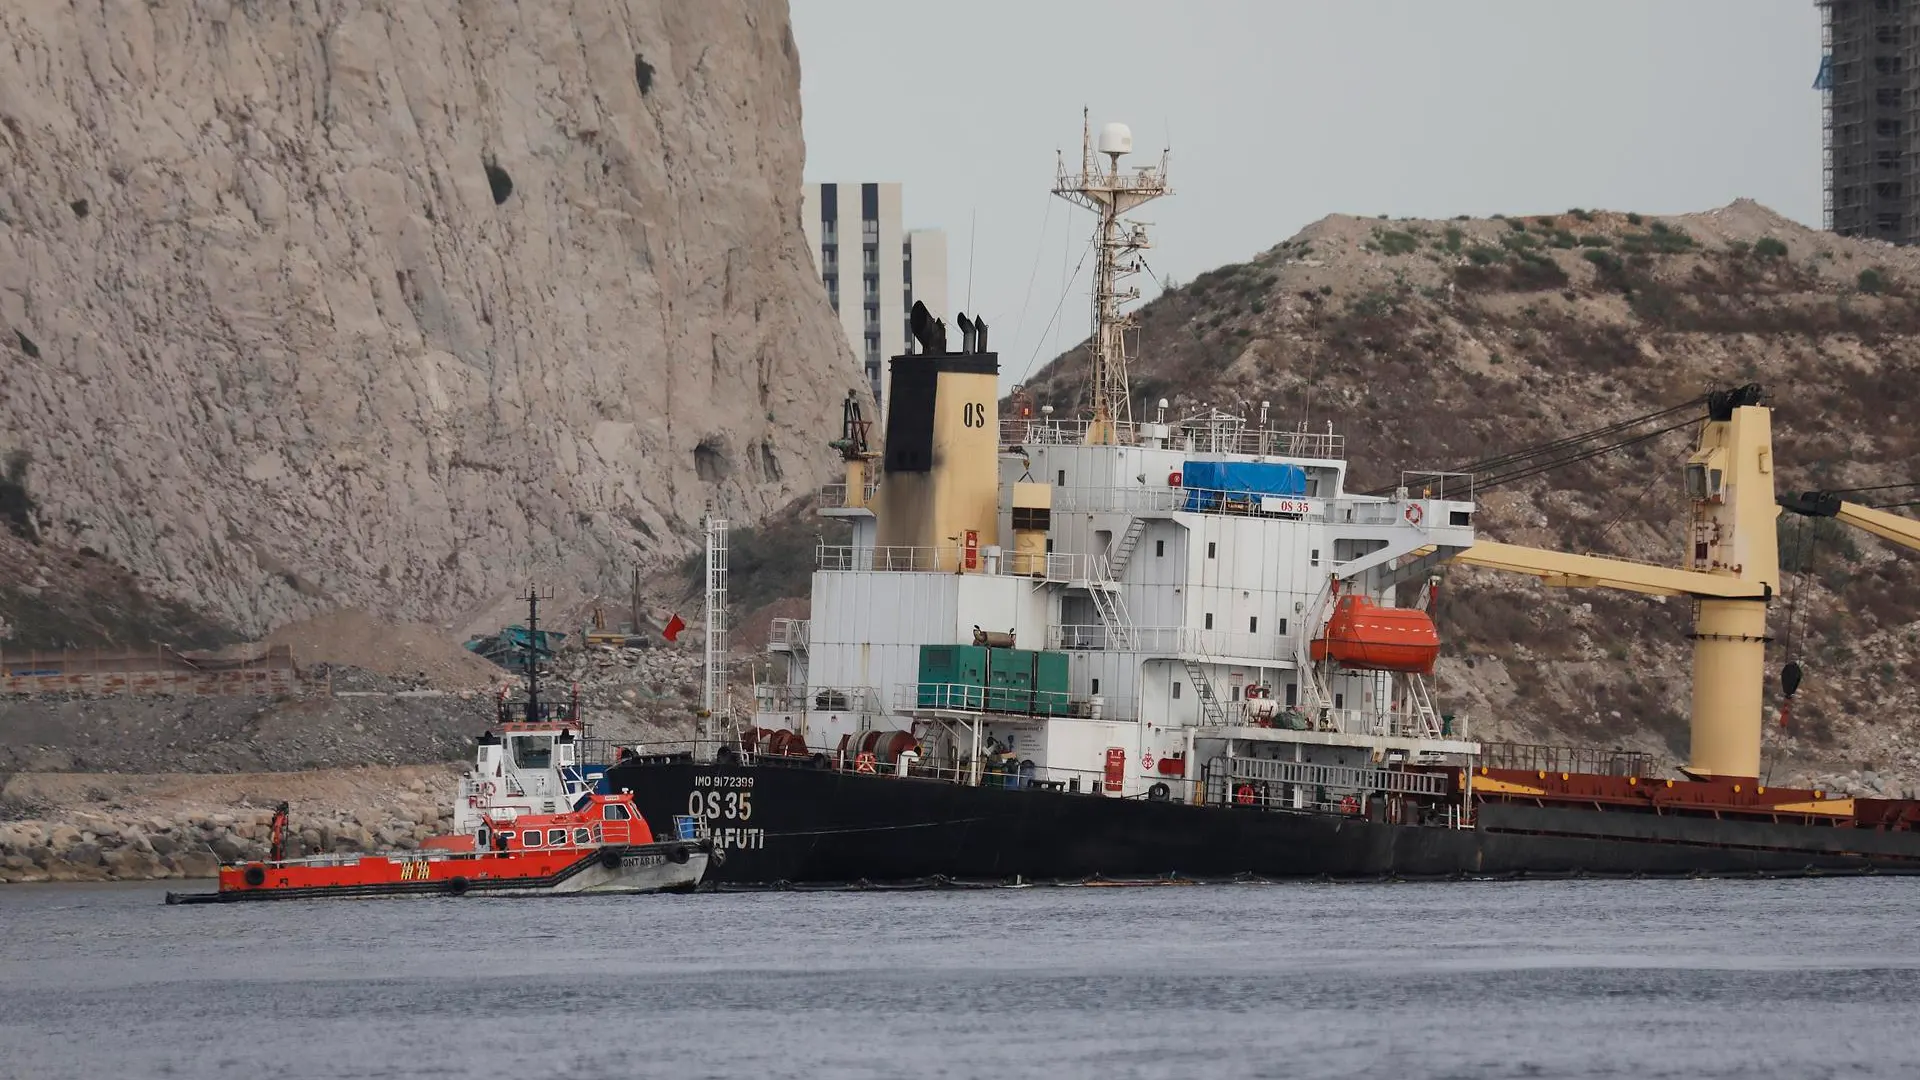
x=672, y=630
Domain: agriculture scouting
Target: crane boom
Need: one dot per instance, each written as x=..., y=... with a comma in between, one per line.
x=1891, y=527
x=1600, y=572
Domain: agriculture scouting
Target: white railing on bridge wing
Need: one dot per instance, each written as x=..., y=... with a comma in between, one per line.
x=1175, y=641
x=1053, y=566
x=850, y=557
x=1199, y=437
x=835, y=495
x=792, y=633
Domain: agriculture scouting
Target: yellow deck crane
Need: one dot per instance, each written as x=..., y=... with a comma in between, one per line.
x=1731, y=572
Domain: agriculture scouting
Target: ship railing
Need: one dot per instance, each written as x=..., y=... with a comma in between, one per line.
x=1172, y=641
x=780, y=698
x=1198, y=436
x=946, y=557
x=1363, y=722
x=1011, y=774
x=1268, y=784
x=1569, y=759
x=790, y=633
x=1432, y=484
x=834, y=496
x=975, y=698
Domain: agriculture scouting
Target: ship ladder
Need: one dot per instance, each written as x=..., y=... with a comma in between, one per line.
x=1113, y=610
x=1425, y=718
x=1123, y=551
x=1210, y=707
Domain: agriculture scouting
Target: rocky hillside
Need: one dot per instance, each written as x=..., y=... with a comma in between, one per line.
x=393, y=305
x=1435, y=343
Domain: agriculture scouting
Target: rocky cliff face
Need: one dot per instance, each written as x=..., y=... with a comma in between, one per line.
x=1431, y=344
x=391, y=303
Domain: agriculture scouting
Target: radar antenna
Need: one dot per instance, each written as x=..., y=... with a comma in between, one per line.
x=1107, y=191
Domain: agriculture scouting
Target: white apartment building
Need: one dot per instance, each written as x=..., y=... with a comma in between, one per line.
x=873, y=275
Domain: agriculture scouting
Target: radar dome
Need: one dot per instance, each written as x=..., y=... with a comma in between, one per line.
x=1116, y=139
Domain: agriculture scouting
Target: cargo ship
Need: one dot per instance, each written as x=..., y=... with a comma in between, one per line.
x=1182, y=648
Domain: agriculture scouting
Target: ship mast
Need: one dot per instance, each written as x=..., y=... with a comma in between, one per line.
x=1110, y=193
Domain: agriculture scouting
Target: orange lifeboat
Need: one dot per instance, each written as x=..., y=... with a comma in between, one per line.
x=1362, y=634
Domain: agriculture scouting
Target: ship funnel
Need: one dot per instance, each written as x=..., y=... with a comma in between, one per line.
x=941, y=493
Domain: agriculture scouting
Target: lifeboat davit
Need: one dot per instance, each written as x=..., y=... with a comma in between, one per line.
x=1362, y=634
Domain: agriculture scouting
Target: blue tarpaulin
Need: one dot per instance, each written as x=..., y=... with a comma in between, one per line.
x=1209, y=482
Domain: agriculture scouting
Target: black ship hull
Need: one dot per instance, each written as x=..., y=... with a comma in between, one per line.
x=780, y=824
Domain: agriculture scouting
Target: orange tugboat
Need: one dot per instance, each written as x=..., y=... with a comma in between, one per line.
x=528, y=821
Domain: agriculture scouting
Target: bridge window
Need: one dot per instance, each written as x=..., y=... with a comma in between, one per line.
x=556, y=837
x=1210, y=547
x=1176, y=689
x=614, y=812
x=1159, y=549
x=1313, y=559
x=533, y=751
x=530, y=838
x=1253, y=624
x=583, y=835
x=1096, y=686
x=1209, y=620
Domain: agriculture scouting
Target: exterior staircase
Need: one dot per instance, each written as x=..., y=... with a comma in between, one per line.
x=1211, y=710
x=1112, y=608
x=1123, y=551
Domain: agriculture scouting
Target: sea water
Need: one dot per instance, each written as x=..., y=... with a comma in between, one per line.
x=1685, y=979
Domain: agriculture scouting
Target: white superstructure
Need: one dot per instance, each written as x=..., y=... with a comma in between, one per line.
x=1184, y=566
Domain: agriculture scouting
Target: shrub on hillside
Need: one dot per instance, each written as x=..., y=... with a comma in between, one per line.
x=1871, y=281
x=1770, y=247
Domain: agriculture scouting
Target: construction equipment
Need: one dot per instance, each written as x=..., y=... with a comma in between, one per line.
x=1732, y=570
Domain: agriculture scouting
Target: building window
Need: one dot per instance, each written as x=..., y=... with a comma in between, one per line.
x=1209, y=620
x=1253, y=624
x=1159, y=549
x=1209, y=549
x=1176, y=689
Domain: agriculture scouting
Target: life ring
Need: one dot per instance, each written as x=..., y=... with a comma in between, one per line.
x=1414, y=513
x=1243, y=794
x=1159, y=793
x=255, y=875
x=610, y=858
x=457, y=886
x=1349, y=805
x=864, y=763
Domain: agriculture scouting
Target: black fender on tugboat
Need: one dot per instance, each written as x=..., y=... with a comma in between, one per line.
x=255, y=875
x=457, y=886
x=678, y=854
x=1159, y=792
x=820, y=761
x=610, y=858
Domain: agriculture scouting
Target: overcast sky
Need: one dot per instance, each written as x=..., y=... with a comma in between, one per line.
x=1279, y=112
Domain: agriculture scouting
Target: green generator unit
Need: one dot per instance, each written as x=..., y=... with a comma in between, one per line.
x=977, y=678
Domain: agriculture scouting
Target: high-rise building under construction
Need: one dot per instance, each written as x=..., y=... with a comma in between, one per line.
x=1870, y=120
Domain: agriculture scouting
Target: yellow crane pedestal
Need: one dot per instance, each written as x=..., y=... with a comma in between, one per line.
x=1732, y=571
